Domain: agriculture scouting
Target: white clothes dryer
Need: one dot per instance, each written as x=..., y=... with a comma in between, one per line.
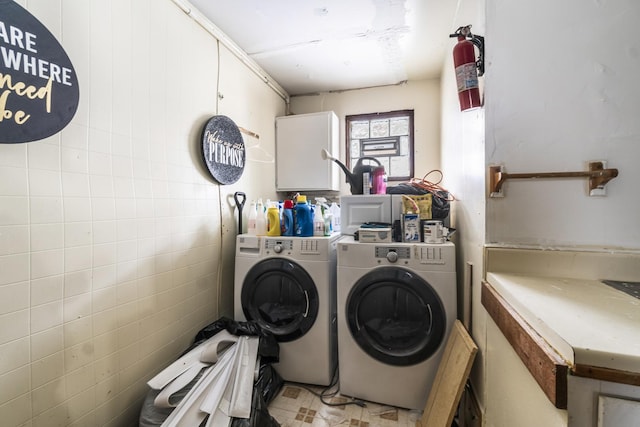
x=396, y=308
x=288, y=286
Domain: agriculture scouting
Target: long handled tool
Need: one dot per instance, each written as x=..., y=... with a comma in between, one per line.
x=240, y=198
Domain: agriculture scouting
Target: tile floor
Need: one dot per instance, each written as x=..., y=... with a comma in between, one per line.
x=297, y=406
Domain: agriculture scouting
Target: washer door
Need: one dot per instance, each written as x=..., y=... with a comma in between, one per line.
x=395, y=316
x=281, y=297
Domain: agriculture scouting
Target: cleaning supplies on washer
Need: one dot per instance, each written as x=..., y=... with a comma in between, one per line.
x=261, y=219
x=326, y=215
x=321, y=221
x=252, y=216
x=287, y=218
x=327, y=229
x=273, y=220
x=303, y=217
x=410, y=220
x=335, y=217
x=375, y=232
x=318, y=221
x=434, y=232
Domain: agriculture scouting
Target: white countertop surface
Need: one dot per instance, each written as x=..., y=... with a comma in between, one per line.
x=586, y=321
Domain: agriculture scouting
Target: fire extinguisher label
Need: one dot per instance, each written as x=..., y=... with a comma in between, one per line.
x=466, y=77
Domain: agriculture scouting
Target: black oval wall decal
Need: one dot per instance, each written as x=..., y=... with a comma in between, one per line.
x=39, y=91
x=223, y=149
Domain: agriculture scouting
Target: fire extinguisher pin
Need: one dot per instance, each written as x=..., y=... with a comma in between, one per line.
x=477, y=40
x=462, y=31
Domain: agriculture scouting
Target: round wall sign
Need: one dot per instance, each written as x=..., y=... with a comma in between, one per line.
x=39, y=92
x=223, y=149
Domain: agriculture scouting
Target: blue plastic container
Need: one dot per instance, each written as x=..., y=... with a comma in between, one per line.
x=287, y=218
x=303, y=218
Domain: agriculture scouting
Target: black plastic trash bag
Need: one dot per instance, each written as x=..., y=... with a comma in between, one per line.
x=152, y=416
x=268, y=348
x=265, y=387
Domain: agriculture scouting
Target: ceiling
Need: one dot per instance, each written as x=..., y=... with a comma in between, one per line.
x=332, y=45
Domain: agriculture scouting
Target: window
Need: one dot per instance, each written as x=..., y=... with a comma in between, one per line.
x=386, y=136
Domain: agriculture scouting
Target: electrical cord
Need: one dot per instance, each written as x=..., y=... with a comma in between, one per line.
x=327, y=392
x=221, y=256
x=433, y=187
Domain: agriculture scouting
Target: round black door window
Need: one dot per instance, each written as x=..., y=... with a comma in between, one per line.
x=395, y=316
x=281, y=297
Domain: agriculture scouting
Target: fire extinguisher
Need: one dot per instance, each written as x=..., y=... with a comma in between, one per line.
x=467, y=68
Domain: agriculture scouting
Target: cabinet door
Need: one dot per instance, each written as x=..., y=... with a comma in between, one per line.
x=299, y=142
x=616, y=412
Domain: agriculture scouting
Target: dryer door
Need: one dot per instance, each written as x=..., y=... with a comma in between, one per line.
x=395, y=316
x=281, y=297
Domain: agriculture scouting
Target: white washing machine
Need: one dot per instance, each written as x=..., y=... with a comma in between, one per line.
x=396, y=308
x=288, y=286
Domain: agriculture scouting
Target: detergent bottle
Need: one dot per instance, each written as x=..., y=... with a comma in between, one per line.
x=273, y=220
x=303, y=217
x=287, y=218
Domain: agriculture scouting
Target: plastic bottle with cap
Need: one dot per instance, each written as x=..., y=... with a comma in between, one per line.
x=261, y=219
x=287, y=218
x=379, y=181
x=273, y=220
x=325, y=218
x=252, y=216
x=318, y=220
x=335, y=217
x=326, y=215
x=303, y=217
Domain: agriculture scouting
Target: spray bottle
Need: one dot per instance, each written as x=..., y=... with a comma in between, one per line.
x=321, y=203
x=251, y=223
x=335, y=217
x=261, y=219
x=318, y=221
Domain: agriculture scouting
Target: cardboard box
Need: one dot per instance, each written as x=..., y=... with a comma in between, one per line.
x=375, y=235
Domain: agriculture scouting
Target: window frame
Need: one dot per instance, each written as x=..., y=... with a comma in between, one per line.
x=378, y=116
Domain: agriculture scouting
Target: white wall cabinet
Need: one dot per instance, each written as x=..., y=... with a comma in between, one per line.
x=299, y=142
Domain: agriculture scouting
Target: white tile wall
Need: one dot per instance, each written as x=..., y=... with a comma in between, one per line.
x=109, y=230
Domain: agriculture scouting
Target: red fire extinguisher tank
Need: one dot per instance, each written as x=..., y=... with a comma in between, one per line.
x=464, y=60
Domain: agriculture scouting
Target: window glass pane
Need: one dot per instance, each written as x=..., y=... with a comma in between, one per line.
x=399, y=126
x=404, y=145
x=399, y=166
x=355, y=148
x=385, y=162
x=360, y=130
x=379, y=128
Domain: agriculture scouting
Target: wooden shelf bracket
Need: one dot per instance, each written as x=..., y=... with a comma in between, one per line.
x=597, y=174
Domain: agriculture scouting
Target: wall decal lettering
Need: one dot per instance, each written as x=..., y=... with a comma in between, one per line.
x=39, y=91
x=223, y=149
